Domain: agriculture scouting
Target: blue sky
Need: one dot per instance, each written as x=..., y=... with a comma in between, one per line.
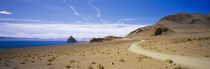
x=87, y=18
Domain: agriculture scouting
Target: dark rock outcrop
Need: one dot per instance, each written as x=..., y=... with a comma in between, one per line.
x=159, y=29
x=71, y=39
x=96, y=40
x=107, y=38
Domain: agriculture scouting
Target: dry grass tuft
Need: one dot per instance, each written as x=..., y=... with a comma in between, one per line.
x=22, y=62
x=89, y=67
x=179, y=67
x=169, y=61
x=68, y=66
x=99, y=66
x=49, y=63
x=122, y=60
x=72, y=61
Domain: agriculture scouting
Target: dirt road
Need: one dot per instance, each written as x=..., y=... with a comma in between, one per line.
x=191, y=62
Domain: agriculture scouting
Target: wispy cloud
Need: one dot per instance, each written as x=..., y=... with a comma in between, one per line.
x=124, y=19
x=25, y=20
x=85, y=19
x=77, y=14
x=64, y=30
x=97, y=9
x=5, y=12
x=73, y=9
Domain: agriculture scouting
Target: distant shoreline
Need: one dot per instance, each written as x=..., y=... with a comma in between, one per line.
x=23, y=50
x=23, y=44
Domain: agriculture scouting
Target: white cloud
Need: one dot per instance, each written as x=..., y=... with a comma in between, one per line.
x=97, y=9
x=5, y=12
x=14, y=19
x=125, y=19
x=64, y=30
x=75, y=12
x=85, y=19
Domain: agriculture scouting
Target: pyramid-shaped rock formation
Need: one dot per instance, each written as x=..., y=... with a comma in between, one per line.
x=71, y=39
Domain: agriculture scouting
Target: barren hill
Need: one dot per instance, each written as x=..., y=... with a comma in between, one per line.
x=179, y=34
x=181, y=23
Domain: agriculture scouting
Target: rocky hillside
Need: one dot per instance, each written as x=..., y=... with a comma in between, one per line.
x=181, y=23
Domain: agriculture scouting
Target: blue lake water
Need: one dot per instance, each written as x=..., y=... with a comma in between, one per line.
x=17, y=44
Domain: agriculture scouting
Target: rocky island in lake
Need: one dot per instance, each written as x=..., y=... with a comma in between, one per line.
x=71, y=39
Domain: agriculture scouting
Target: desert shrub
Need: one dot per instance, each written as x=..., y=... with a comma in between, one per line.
x=40, y=59
x=118, y=52
x=178, y=67
x=72, y=61
x=49, y=63
x=68, y=66
x=6, y=64
x=22, y=62
x=93, y=62
x=89, y=67
x=51, y=59
x=16, y=67
x=32, y=61
x=99, y=66
x=122, y=60
x=142, y=56
x=6, y=60
x=207, y=56
x=159, y=50
x=33, y=57
x=78, y=66
x=169, y=61
x=112, y=63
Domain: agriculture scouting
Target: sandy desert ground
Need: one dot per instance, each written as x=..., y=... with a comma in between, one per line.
x=101, y=55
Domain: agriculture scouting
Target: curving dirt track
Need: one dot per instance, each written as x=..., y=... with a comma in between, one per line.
x=191, y=62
